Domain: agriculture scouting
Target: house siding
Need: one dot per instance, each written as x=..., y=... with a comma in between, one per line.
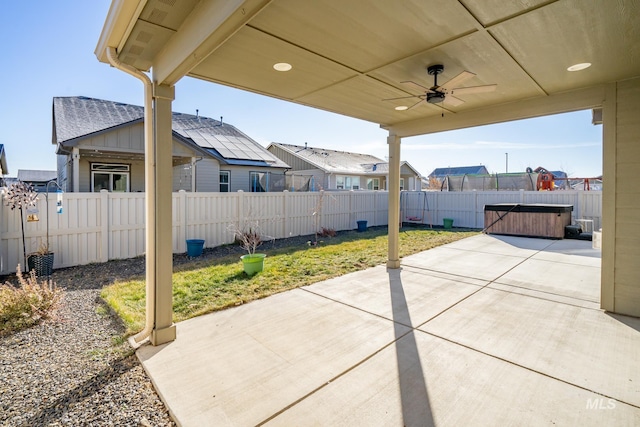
x=127, y=138
x=208, y=175
x=296, y=163
x=621, y=154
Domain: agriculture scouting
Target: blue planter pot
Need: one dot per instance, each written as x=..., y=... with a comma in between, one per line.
x=194, y=247
x=362, y=225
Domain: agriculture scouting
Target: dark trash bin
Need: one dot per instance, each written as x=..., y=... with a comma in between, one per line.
x=362, y=225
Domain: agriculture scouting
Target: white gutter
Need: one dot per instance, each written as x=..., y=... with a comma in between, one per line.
x=150, y=193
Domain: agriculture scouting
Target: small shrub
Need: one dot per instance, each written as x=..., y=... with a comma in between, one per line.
x=327, y=232
x=248, y=239
x=27, y=304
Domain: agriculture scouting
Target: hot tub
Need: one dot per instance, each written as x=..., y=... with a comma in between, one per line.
x=530, y=220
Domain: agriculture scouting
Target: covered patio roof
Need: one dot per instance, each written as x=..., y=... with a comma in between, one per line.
x=378, y=61
x=348, y=57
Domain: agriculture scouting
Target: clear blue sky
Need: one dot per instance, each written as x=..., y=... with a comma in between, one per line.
x=48, y=52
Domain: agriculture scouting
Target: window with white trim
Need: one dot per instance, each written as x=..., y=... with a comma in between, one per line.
x=347, y=182
x=373, y=183
x=110, y=176
x=225, y=183
x=401, y=184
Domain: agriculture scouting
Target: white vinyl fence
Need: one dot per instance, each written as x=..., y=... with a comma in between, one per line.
x=97, y=227
x=467, y=208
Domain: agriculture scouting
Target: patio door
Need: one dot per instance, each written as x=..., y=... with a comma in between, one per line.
x=110, y=177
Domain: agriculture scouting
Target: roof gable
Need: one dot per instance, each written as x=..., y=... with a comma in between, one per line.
x=79, y=116
x=333, y=161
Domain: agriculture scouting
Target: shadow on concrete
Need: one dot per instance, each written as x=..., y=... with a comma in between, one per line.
x=416, y=409
x=632, y=322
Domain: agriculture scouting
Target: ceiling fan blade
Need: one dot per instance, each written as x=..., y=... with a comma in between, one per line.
x=452, y=100
x=415, y=104
x=463, y=76
x=424, y=88
x=474, y=89
x=402, y=97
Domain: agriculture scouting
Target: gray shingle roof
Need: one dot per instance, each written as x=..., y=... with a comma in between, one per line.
x=333, y=161
x=79, y=117
x=36, y=175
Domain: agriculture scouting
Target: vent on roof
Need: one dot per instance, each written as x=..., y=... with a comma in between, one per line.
x=83, y=97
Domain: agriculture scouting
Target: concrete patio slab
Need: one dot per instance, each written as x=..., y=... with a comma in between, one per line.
x=425, y=381
x=240, y=366
x=502, y=245
x=476, y=265
x=409, y=297
x=556, y=278
x=584, y=347
x=594, y=305
x=568, y=248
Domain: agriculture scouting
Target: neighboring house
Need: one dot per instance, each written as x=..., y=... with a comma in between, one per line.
x=100, y=145
x=326, y=169
x=38, y=179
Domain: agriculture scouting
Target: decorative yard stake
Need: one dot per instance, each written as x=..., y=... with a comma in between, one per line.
x=22, y=196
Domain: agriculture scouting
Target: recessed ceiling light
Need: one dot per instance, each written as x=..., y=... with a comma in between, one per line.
x=282, y=66
x=402, y=108
x=578, y=67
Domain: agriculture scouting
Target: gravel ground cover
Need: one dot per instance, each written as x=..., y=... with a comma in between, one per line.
x=78, y=369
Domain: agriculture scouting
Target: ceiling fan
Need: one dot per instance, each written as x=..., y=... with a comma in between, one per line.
x=445, y=93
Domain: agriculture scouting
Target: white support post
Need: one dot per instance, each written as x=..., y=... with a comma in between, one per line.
x=161, y=212
x=75, y=170
x=321, y=208
x=183, y=232
x=394, y=201
x=285, y=214
x=193, y=174
x=104, y=225
x=241, y=213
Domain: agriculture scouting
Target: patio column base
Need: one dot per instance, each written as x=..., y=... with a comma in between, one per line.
x=393, y=263
x=162, y=336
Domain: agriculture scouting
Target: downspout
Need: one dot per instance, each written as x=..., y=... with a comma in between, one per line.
x=150, y=195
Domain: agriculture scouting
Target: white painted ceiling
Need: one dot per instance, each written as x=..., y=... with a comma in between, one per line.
x=348, y=56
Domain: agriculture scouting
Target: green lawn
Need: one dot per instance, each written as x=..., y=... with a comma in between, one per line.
x=203, y=287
